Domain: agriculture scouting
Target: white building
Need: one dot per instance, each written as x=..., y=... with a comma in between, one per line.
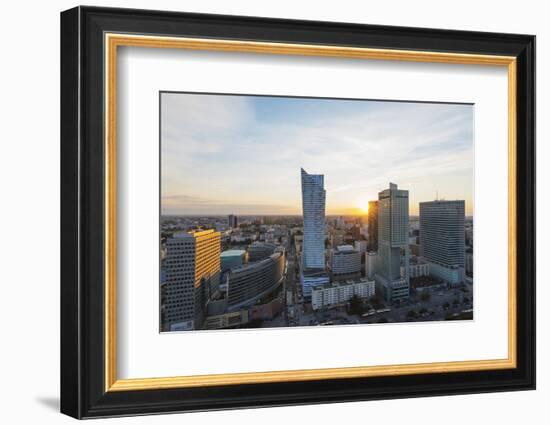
x=418, y=269
x=345, y=263
x=372, y=264
x=312, y=278
x=337, y=293
x=361, y=246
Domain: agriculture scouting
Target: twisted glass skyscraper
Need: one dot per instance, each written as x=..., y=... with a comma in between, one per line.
x=313, y=207
x=313, y=248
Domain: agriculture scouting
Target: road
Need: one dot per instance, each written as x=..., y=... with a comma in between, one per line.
x=435, y=305
x=294, y=313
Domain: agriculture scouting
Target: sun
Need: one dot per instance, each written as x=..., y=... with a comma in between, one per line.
x=363, y=206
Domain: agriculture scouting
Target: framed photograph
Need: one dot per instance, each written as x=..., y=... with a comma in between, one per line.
x=261, y=212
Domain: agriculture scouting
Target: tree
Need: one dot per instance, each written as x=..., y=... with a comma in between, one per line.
x=356, y=305
x=446, y=305
x=423, y=311
x=456, y=302
x=425, y=296
x=254, y=323
x=411, y=314
x=376, y=302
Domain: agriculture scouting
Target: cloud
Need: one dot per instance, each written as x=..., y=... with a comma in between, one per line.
x=245, y=150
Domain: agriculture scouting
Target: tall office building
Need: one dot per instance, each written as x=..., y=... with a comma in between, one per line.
x=393, y=242
x=442, y=238
x=232, y=221
x=192, y=267
x=313, y=247
x=372, y=222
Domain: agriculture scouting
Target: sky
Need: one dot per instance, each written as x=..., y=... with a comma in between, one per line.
x=238, y=154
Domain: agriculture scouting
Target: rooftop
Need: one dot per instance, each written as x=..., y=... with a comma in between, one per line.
x=233, y=253
x=193, y=233
x=346, y=283
x=345, y=248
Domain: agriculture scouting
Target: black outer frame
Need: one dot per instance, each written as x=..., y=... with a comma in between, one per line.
x=82, y=219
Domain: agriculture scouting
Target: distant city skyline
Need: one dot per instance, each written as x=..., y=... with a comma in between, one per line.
x=242, y=155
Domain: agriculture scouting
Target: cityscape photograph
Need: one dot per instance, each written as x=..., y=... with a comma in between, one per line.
x=294, y=211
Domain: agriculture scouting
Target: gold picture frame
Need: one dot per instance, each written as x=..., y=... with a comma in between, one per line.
x=114, y=41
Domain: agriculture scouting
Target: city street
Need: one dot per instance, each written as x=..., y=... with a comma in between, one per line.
x=442, y=304
x=435, y=311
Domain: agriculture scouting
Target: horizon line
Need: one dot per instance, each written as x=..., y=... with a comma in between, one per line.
x=272, y=215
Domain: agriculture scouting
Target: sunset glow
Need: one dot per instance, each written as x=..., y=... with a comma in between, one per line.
x=364, y=206
x=243, y=154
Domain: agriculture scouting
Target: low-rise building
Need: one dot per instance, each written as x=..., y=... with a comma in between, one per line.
x=337, y=237
x=345, y=263
x=338, y=293
x=394, y=290
x=417, y=268
x=372, y=264
x=266, y=311
x=233, y=258
x=246, y=284
x=258, y=251
x=310, y=279
x=227, y=320
x=454, y=275
x=361, y=246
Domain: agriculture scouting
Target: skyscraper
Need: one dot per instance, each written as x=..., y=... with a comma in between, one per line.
x=373, y=226
x=313, y=247
x=313, y=207
x=393, y=242
x=192, y=266
x=442, y=238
